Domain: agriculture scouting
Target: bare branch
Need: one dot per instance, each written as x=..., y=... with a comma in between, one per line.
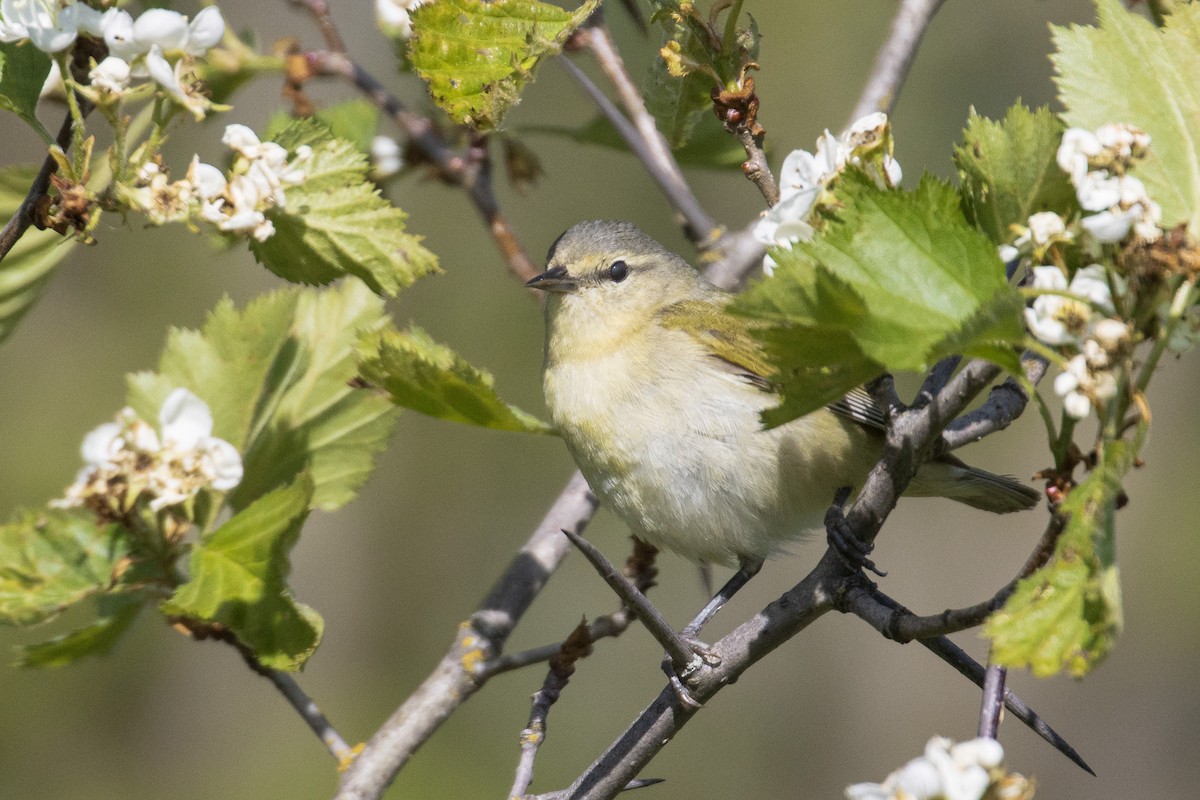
x=698, y=226
x=319, y=9
x=311, y=714
x=895, y=57
x=639, y=568
x=992, y=702
x=470, y=172
x=479, y=639
x=562, y=666
x=756, y=167
x=23, y=218
x=677, y=649
x=1005, y=403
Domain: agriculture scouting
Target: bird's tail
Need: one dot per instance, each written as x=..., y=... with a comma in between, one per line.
x=949, y=477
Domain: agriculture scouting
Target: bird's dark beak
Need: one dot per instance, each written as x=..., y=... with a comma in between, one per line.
x=555, y=279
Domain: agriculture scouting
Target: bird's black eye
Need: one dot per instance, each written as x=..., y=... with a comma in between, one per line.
x=618, y=272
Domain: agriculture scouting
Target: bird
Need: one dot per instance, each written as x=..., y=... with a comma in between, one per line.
x=658, y=390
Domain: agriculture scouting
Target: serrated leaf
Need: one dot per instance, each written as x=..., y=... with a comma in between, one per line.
x=709, y=147
x=23, y=70
x=678, y=101
x=1127, y=70
x=275, y=376
x=238, y=578
x=895, y=282
x=420, y=374
x=477, y=56
x=116, y=615
x=335, y=223
x=26, y=270
x=50, y=560
x=352, y=120
x=1066, y=615
x=1008, y=170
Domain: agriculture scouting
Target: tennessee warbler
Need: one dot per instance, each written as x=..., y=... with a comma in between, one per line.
x=657, y=391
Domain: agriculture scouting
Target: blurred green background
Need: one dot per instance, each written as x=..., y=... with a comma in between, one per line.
x=397, y=570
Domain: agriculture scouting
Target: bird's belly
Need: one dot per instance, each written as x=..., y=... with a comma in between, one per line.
x=703, y=480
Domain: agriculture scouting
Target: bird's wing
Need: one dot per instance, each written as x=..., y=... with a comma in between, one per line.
x=725, y=337
x=859, y=406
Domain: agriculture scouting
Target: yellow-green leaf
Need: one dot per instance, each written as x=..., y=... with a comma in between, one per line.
x=477, y=56
x=420, y=374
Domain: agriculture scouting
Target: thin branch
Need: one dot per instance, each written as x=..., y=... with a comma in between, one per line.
x=319, y=9
x=311, y=714
x=992, y=702
x=291, y=691
x=698, y=226
x=639, y=568
x=1005, y=403
x=562, y=666
x=478, y=641
x=756, y=167
x=470, y=172
x=680, y=653
x=24, y=216
x=896, y=57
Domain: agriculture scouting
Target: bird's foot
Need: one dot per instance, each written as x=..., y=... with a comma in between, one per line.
x=853, y=551
x=703, y=656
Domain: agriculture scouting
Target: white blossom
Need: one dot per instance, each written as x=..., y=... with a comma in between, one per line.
x=205, y=31
x=1059, y=320
x=1097, y=163
x=804, y=176
x=162, y=28
x=386, y=157
x=946, y=771
x=110, y=76
x=118, y=35
x=1080, y=385
x=168, y=466
x=42, y=22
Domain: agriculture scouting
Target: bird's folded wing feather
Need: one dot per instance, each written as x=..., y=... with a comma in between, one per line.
x=727, y=339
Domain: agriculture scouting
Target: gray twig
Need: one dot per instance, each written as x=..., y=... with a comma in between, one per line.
x=896, y=57
x=469, y=171
x=23, y=218
x=479, y=639
x=311, y=714
x=677, y=649
x=698, y=226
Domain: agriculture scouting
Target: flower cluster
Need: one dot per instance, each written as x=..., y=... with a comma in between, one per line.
x=160, y=44
x=805, y=177
x=947, y=771
x=1098, y=162
x=235, y=202
x=127, y=459
x=1082, y=316
x=392, y=16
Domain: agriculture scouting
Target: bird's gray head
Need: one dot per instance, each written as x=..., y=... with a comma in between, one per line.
x=603, y=253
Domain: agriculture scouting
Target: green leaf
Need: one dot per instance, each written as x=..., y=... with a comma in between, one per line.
x=895, y=282
x=26, y=270
x=335, y=223
x=238, y=578
x=477, y=56
x=117, y=613
x=709, y=147
x=1129, y=71
x=275, y=376
x=678, y=101
x=23, y=70
x=51, y=560
x=1066, y=615
x=420, y=374
x=699, y=54
x=1008, y=170
x=352, y=120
